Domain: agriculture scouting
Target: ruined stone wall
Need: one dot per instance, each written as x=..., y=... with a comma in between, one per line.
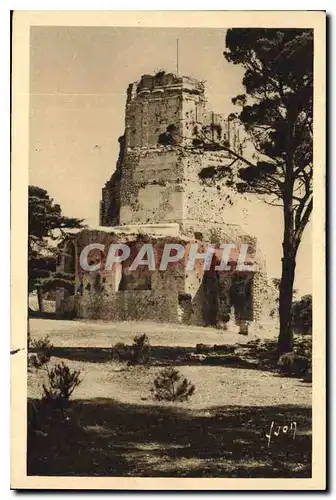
x=102, y=294
x=206, y=201
x=163, y=184
x=110, y=204
x=264, y=294
x=161, y=101
x=175, y=295
x=130, y=305
x=111, y=192
x=224, y=129
x=151, y=187
x=193, y=112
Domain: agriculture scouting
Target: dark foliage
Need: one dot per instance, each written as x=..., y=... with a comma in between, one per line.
x=40, y=353
x=61, y=384
x=171, y=386
x=138, y=353
x=293, y=364
x=140, y=350
x=45, y=219
x=302, y=315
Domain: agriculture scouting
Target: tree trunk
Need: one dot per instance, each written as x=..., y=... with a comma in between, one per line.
x=40, y=299
x=285, y=341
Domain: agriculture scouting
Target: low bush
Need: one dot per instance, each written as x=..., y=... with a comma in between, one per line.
x=303, y=346
x=61, y=384
x=291, y=363
x=140, y=350
x=138, y=353
x=41, y=354
x=170, y=385
x=302, y=315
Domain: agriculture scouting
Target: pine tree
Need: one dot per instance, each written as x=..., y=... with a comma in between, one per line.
x=46, y=226
x=277, y=114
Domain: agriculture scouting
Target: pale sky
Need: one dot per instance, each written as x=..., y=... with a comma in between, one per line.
x=79, y=77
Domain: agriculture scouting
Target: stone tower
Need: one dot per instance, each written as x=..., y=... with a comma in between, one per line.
x=159, y=170
x=161, y=102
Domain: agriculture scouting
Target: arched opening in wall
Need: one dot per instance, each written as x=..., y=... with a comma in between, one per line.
x=210, y=289
x=225, y=296
x=185, y=306
x=241, y=296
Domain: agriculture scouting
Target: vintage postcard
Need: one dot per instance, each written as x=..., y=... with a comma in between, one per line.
x=168, y=264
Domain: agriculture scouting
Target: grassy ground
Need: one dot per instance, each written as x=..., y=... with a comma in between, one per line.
x=115, y=428
x=105, y=334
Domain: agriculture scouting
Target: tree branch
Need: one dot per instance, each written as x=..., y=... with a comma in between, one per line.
x=302, y=224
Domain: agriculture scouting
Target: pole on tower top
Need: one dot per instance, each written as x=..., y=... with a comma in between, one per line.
x=177, y=56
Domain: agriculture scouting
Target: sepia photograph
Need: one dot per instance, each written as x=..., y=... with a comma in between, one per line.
x=167, y=320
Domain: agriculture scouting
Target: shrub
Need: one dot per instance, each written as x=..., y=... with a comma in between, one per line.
x=138, y=353
x=140, y=350
x=171, y=386
x=293, y=364
x=302, y=315
x=303, y=346
x=61, y=384
x=42, y=354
